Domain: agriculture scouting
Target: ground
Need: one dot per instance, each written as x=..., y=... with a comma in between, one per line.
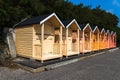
x=101, y=67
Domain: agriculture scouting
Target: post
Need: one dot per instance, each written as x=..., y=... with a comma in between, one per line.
x=33, y=51
x=115, y=39
x=67, y=41
x=78, y=44
x=61, y=40
x=103, y=41
x=42, y=39
x=90, y=43
x=98, y=42
x=83, y=42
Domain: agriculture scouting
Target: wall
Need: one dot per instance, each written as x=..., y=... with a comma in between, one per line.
x=23, y=40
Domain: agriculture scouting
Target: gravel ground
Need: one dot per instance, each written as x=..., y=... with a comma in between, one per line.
x=101, y=67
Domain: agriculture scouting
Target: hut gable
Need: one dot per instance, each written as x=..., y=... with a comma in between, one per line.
x=70, y=22
x=84, y=27
x=96, y=28
x=107, y=32
x=102, y=30
x=114, y=34
x=111, y=33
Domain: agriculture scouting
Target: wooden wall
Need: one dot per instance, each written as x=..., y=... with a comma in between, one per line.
x=24, y=40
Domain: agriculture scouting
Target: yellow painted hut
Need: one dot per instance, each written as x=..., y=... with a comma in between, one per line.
x=103, y=40
x=111, y=39
x=71, y=38
x=85, y=39
x=114, y=40
x=95, y=38
x=108, y=36
x=40, y=37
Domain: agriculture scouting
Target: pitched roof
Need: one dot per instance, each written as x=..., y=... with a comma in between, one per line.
x=96, y=27
x=107, y=31
x=83, y=26
x=111, y=33
x=36, y=20
x=69, y=22
x=115, y=33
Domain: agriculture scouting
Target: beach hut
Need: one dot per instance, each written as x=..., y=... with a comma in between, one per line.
x=71, y=38
x=102, y=39
x=111, y=39
x=95, y=38
x=39, y=37
x=114, y=39
x=85, y=38
x=108, y=36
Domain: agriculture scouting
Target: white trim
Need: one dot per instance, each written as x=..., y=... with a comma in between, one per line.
x=114, y=33
x=102, y=30
x=72, y=22
x=53, y=14
x=111, y=32
x=87, y=25
x=95, y=29
x=107, y=32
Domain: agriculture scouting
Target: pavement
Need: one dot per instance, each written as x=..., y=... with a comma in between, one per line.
x=101, y=67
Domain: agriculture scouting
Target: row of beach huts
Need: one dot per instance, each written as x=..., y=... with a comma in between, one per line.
x=47, y=37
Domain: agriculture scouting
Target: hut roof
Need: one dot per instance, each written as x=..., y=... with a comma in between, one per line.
x=36, y=20
x=111, y=33
x=107, y=32
x=69, y=22
x=96, y=27
x=83, y=26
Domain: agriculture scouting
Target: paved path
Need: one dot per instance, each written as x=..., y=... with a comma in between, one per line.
x=101, y=67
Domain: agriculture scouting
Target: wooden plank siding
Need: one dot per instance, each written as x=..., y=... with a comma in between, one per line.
x=24, y=40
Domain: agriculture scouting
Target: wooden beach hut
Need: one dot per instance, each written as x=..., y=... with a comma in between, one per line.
x=102, y=39
x=71, y=38
x=111, y=39
x=108, y=36
x=85, y=39
x=114, y=39
x=95, y=38
x=40, y=37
